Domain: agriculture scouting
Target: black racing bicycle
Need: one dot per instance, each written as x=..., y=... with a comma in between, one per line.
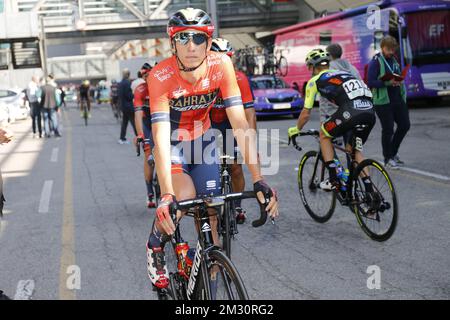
x=84, y=107
x=376, y=211
x=212, y=275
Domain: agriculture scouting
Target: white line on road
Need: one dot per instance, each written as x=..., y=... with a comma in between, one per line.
x=45, y=196
x=54, y=157
x=427, y=174
x=24, y=290
x=3, y=225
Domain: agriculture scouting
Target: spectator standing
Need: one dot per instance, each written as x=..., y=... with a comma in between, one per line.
x=389, y=99
x=337, y=63
x=126, y=104
x=50, y=104
x=63, y=97
x=33, y=93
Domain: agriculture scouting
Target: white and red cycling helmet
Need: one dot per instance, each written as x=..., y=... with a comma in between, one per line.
x=222, y=45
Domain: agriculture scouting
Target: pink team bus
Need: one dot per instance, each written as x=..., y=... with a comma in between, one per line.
x=422, y=29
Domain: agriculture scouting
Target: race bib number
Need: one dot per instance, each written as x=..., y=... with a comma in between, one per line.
x=356, y=88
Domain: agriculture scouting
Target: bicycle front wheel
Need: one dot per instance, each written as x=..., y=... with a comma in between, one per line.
x=224, y=279
x=318, y=203
x=226, y=220
x=376, y=210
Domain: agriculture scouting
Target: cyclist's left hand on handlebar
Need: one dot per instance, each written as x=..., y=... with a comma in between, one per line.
x=267, y=197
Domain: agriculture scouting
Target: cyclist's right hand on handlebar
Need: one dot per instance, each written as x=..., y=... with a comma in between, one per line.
x=138, y=139
x=268, y=197
x=293, y=131
x=166, y=207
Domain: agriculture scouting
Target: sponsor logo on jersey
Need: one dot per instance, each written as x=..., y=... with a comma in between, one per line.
x=330, y=125
x=335, y=81
x=219, y=103
x=179, y=92
x=164, y=74
x=205, y=83
x=362, y=104
x=214, y=60
x=338, y=122
x=211, y=184
x=218, y=76
x=194, y=102
x=346, y=115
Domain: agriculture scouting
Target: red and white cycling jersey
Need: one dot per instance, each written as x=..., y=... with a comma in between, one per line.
x=219, y=114
x=185, y=105
x=140, y=93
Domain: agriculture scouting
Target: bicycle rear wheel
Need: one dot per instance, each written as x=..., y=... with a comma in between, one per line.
x=318, y=203
x=85, y=114
x=224, y=279
x=377, y=211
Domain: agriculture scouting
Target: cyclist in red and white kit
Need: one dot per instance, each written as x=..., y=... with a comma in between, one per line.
x=144, y=127
x=182, y=91
x=220, y=122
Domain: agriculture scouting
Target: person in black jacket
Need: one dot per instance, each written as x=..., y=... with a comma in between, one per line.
x=126, y=105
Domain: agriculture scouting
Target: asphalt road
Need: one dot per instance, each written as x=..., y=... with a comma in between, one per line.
x=75, y=218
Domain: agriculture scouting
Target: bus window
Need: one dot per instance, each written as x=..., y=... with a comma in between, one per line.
x=26, y=54
x=4, y=56
x=428, y=36
x=325, y=38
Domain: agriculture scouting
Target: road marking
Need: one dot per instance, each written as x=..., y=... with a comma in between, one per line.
x=45, y=196
x=54, y=157
x=427, y=174
x=419, y=172
x=25, y=289
x=3, y=225
x=68, y=238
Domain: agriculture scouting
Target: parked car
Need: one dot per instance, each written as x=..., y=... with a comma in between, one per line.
x=273, y=96
x=4, y=114
x=13, y=99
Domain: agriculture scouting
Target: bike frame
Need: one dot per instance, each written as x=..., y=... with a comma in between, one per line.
x=351, y=165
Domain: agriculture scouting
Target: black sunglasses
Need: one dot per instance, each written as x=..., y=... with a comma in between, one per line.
x=184, y=38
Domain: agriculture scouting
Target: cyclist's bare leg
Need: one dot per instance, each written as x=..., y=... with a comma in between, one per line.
x=359, y=157
x=237, y=178
x=327, y=147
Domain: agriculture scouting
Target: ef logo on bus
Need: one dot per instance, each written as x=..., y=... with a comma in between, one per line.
x=436, y=30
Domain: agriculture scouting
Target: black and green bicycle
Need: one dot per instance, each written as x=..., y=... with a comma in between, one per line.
x=376, y=211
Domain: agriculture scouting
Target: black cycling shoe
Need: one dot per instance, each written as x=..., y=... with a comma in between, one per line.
x=240, y=215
